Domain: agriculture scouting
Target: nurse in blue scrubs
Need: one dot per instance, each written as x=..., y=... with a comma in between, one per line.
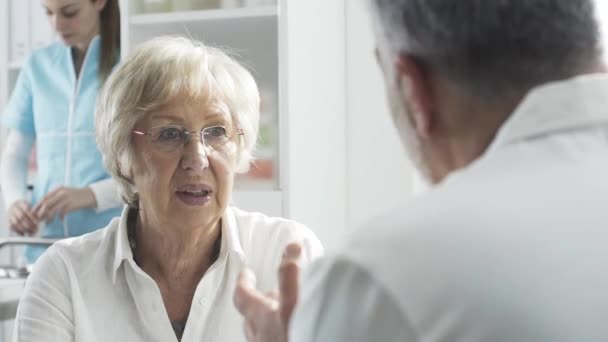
x=53, y=105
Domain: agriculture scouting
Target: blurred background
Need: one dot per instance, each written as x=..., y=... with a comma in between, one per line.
x=328, y=155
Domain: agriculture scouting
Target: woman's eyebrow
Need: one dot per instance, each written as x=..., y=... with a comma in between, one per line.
x=218, y=116
x=166, y=117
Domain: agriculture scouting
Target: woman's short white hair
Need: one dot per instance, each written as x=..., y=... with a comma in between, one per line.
x=157, y=72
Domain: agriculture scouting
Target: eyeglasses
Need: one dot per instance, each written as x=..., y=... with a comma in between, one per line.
x=171, y=137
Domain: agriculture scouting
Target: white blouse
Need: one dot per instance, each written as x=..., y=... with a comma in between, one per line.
x=89, y=288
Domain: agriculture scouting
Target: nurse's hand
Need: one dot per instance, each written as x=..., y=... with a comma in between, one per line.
x=63, y=201
x=267, y=316
x=21, y=218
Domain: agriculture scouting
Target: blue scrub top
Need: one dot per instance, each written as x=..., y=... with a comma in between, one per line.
x=57, y=108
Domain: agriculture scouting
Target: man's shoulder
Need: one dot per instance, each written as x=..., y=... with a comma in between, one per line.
x=420, y=236
x=463, y=198
x=425, y=214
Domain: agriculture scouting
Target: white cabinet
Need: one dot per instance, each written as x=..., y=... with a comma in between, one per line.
x=295, y=50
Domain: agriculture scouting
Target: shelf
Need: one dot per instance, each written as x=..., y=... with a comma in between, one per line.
x=14, y=65
x=248, y=34
x=204, y=15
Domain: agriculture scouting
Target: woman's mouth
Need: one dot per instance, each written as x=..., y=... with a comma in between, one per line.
x=194, y=194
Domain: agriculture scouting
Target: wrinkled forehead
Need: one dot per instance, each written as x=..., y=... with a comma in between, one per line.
x=190, y=112
x=187, y=88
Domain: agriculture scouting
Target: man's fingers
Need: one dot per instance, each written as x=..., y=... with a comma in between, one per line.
x=289, y=275
x=292, y=252
x=249, y=301
x=243, y=293
x=273, y=295
x=249, y=331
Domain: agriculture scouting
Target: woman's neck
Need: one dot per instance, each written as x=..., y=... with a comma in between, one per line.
x=170, y=253
x=77, y=59
x=79, y=51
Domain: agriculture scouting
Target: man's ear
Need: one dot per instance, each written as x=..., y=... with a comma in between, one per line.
x=416, y=88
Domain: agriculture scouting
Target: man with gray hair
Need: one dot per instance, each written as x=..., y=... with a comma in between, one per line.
x=503, y=105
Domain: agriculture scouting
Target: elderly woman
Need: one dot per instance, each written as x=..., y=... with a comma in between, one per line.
x=174, y=123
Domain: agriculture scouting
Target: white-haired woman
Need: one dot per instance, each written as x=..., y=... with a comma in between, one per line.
x=174, y=123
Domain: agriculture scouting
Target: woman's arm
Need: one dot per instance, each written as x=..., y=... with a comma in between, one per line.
x=101, y=195
x=45, y=311
x=13, y=177
x=13, y=166
x=106, y=194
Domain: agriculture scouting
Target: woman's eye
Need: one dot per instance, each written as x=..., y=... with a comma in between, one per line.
x=170, y=134
x=216, y=132
x=70, y=14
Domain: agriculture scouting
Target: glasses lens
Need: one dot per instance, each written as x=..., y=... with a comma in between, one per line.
x=168, y=138
x=215, y=137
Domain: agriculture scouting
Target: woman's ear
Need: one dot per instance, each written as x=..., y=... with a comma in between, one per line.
x=99, y=4
x=126, y=176
x=416, y=89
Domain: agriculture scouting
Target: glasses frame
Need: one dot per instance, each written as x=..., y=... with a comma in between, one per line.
x=189, y=134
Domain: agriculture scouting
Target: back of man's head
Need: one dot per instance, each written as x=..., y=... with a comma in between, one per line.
x=494, y=46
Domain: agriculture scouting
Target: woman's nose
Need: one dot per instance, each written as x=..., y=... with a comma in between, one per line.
x=57, y=22
x=195, y=156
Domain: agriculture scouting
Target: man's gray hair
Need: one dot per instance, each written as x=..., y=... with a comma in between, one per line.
x=494, y=46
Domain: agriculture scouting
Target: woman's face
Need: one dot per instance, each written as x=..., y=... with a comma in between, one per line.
x=189, y=184
x=75, y=21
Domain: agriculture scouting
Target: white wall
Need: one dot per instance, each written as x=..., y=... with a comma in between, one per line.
x=602, y=13
x=315, y=182
x=379, y=175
